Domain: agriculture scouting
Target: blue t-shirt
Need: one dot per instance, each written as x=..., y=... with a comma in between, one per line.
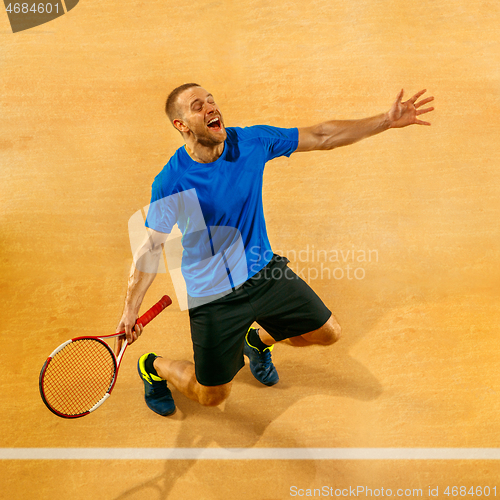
x=218, y=208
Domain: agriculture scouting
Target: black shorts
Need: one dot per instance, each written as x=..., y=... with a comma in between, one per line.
x=276, y=298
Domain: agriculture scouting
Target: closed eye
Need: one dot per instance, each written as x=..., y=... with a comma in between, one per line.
x=197, y=105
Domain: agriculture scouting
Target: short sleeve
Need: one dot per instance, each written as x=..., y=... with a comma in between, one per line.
x=277, y=141
x=163, y=211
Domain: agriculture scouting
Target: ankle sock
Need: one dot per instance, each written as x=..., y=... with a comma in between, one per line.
x=148, y=364
x=254, y=339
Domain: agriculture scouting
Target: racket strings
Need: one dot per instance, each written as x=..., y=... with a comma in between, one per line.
x=79, y=376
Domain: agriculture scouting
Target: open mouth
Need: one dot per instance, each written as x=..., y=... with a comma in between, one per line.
x=214, y=124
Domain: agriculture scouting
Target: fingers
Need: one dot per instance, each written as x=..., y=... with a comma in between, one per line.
x=403, y=114
x=138, y=329
x=132, y=331
x=135, y=333
x=118, y=344
x=426, y=110
x=129, y=332
x=420, y=104
x=425, y=101
x=416, y=96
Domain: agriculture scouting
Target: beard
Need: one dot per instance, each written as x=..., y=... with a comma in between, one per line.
x=207, y=139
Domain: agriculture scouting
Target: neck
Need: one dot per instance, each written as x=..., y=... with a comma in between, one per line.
x=204, y=154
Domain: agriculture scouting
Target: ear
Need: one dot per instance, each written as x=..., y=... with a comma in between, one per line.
x=180, y=125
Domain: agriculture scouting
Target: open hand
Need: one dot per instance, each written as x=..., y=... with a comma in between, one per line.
x=405, y=113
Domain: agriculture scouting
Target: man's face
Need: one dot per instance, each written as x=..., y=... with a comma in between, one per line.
x=202, y=116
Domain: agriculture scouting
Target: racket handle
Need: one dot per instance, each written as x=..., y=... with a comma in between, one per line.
x=150, y=314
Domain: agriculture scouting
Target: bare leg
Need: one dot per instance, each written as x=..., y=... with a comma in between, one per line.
x=328, y=334
x=182, y=376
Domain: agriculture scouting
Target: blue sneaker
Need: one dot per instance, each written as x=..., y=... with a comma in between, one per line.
x=261, y=364
x=157, y=395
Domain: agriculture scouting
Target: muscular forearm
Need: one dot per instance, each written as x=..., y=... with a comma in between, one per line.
x=337, y=133
x=142, y=274
x=138, y=285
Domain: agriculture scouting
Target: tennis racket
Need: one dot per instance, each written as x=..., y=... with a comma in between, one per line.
x=81, y=373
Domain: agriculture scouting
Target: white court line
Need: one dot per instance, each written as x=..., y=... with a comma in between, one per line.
x=249, y=453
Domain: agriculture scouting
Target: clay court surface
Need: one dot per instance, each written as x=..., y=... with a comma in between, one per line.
x=83, y=134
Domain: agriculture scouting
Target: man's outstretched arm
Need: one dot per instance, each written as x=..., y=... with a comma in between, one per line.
x=336, y=133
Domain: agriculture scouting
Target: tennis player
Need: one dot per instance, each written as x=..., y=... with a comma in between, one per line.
x=212, y=189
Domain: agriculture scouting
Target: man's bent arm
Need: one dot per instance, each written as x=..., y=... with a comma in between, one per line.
x=337, y=133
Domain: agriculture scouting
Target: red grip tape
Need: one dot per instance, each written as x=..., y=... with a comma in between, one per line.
x=150, y=314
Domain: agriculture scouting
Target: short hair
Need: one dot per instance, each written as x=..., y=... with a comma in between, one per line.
x=171, y=107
